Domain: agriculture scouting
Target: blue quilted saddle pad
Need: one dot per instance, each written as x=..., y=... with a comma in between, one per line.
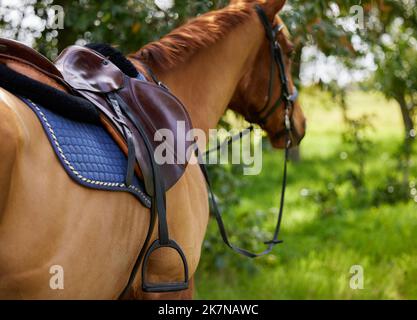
x=88, y=154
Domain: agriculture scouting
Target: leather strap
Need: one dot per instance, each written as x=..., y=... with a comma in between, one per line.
x=277, y=59
x=158, y=209
x=131, y=152
x=270, y=244
x=286, y=99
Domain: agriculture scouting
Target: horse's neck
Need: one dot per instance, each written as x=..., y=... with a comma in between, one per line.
x=206, y=83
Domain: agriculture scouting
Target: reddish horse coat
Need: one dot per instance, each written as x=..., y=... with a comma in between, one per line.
x=47, y=220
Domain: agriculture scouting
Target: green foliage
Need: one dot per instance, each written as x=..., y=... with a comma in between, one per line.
x=131, y=24
x=400, y=184
x=320, y=247
x=315, y=261
x=398, y=71
x=126, y=24
x=349, y=186
x=393, y=191
x=315, y=23
x=392, y=38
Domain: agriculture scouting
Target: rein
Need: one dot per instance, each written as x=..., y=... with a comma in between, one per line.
x=266, y=112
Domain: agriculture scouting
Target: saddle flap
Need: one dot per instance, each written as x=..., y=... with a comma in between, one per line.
x=87, y=70
x=167, y=124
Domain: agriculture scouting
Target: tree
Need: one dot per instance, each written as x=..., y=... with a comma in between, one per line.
x=127, y=24
x=315, y=24
x=393, y=40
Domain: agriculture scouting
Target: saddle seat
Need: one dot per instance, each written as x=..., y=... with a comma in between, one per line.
x=84, y=72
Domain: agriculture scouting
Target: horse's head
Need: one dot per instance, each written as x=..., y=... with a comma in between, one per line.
x=260, y=94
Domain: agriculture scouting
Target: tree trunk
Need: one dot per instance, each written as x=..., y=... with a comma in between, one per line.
x=408, y=139
x=407, y=119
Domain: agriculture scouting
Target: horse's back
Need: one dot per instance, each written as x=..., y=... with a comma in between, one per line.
x=47, y=220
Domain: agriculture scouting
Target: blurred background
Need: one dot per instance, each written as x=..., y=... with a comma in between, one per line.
x=352, y=194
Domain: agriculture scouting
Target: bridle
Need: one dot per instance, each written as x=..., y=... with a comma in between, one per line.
x=277, y=59
x=287, y=100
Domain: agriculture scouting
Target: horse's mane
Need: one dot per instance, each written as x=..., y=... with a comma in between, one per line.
x=201, y=32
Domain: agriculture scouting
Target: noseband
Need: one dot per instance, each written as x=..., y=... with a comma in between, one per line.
x=287, y=99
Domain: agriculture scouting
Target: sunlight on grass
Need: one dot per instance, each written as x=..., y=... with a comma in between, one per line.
x=315, y=260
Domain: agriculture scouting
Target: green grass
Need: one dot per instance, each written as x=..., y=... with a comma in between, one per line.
x=315, y=260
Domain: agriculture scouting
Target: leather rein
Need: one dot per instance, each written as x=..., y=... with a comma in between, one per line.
x=287, y=100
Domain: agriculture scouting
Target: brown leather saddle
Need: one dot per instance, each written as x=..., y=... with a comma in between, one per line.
x=134, y=112
x=104, y=84
x=87, y=73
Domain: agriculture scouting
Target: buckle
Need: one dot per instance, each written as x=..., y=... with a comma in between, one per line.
x=166, y=286
x=277, y=46
x=287, y=121
x=163, y=85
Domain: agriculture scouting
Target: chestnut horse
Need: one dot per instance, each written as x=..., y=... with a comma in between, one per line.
x=217, y=61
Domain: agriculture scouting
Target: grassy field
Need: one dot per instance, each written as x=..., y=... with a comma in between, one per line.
x=315, y=260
